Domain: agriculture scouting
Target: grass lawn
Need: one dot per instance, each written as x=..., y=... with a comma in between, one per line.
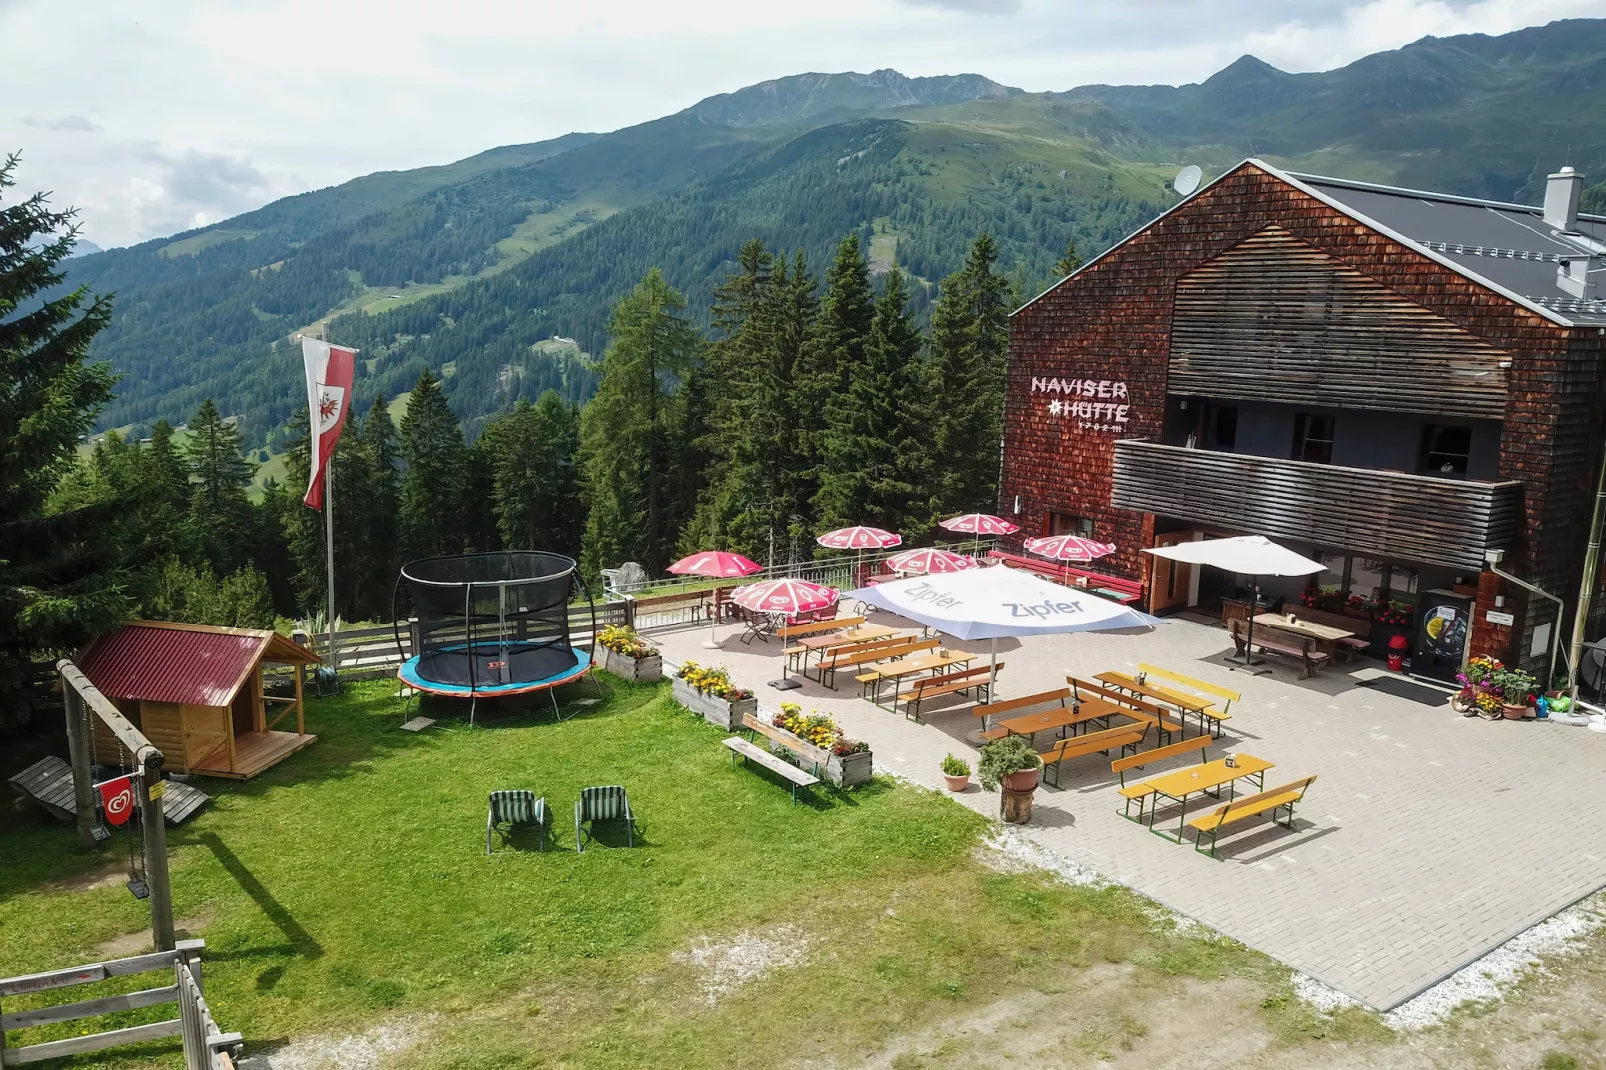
x=348, y=888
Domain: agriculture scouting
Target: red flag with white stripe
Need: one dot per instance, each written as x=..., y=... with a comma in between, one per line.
x=330, y=370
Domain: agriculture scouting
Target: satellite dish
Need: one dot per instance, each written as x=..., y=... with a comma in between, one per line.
x=1187, y=179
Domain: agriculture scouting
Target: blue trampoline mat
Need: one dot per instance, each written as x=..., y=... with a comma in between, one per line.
x=408, y=674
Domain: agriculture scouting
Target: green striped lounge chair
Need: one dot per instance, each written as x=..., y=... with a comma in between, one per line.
x=515, y=808
x=608, y=805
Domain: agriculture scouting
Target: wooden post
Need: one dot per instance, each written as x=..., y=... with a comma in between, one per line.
x=154, y=825
x=301, y=713
x=79, y=743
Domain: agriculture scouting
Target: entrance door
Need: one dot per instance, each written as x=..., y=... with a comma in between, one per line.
x=1171, y=583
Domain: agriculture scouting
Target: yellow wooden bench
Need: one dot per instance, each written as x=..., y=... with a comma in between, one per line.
x=1141, y=792
x=1272, y=799
x=1204, y=689
x=951, y=683
x=1109, y=739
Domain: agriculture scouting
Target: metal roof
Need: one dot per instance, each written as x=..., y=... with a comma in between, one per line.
x=156, y=661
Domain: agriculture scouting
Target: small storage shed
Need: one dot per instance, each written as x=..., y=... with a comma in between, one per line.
x=196, y=692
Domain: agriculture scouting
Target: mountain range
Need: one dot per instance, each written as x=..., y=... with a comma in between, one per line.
x=498, y=270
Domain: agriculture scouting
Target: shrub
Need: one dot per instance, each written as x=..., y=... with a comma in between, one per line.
x=952, y=766
x=1001, y=757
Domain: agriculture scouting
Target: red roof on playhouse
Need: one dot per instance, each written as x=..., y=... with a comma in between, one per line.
x=1404, y=385
x=155, y=661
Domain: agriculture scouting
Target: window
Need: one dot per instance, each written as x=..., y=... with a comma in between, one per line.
x=1066, y=524
x=1445, y=449
x=1218, y=427
x=1313, y=438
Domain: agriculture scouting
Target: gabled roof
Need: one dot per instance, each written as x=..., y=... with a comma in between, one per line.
x=1506, y=248
x=158, y=661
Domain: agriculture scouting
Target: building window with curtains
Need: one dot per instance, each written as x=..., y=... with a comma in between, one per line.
x=1313, y=438
x=1066, y=524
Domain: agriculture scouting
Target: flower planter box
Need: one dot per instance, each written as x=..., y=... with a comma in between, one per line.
x=728, y=715
x=843, y=770
x=648, y=669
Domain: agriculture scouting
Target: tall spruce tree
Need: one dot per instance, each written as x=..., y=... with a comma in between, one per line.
x=432, y=500
x=531, y=454
x=969, y=362
x=381, y=523
x=220, y=511
x=1071, y=260
x=834, y=353
x=57, y=584
x=627, y=430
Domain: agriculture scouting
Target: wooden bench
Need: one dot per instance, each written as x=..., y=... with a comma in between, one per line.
x=1141, y=709
x=1077, y=715
x=788, y=632
x=1362, y=627
x=694, y=601
x=864, y=653
x=1272, y=799
x=1142, y=792
x=1268, y=640
x=952, y=683
x=752, y=753
x=1092, y=743
x=1203, y=690
x=1059, y=696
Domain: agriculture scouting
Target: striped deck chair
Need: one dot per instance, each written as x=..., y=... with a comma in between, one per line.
x=515, y=808
x=608, y=805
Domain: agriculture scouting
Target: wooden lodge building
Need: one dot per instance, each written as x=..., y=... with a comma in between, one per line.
x=197, y=694
x=1395, y=382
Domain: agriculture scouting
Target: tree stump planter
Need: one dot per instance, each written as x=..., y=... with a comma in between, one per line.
x=649, y=669
x=1015, y=807
x=726, y=714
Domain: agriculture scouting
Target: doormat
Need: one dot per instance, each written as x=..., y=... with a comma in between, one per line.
x=1411, y=690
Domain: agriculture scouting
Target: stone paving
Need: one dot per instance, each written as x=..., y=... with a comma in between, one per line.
x=1428, y=840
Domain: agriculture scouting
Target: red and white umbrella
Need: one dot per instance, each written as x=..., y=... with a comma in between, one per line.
x=1068, y=548
x=980, y=524
x=788, y=597
x=715, y=563
x=859, y=537
x=929, y=559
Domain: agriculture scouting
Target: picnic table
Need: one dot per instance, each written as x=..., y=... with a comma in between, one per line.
x=863, y=633
x=1084, y=711
x=1211, y=776
x=1326, y=636
x=882, y=671
x=1184, y=704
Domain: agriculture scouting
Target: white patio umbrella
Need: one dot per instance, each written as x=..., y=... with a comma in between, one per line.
x=1248, y=555
x=987, y=603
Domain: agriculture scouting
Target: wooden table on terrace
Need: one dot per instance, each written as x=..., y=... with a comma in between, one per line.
x=1184, y=704
x=863, y=633
x=1325, y=635
x=900, y=668
x=1210, y=776
x=1079, y=713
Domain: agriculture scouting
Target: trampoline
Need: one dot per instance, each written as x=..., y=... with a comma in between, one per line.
x=491, y=625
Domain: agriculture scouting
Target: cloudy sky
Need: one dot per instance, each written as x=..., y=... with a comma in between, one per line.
x=159, y=115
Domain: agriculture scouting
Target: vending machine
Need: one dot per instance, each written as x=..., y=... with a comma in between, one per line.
x=1443, y=619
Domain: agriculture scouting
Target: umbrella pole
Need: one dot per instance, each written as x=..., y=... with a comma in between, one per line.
x=1250, y=665
x=992, y=673
x=712, y=643
x=785, y=683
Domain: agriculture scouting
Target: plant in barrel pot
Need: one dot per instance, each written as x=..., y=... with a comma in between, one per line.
x=956, y=771
x=709, y=691
x=1012, y=764
x=627, y=655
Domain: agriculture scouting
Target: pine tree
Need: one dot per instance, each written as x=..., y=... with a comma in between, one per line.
x=531, y=454
x=968, y=365
x=432, y=505
x=220, y=512
x=627, y=429
x=834, y=352
x=57, y=587
x=381, y=499
x=1071, y=261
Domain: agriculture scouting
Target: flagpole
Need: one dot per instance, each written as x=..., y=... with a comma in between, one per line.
x=329, y=552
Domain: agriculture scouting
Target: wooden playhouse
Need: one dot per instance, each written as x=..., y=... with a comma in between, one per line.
x=196, y=692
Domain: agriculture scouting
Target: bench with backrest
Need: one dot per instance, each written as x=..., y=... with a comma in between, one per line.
x=1140, y=709
x=1270, y=800
x=1116, y=588
x=961, y=681
x=1269, y=640
x=1212, y=695
x=1361, y=640
x=694, y=603
x=752, y=753
x=865, y=653
x=1122, y=738
x=1196, y=748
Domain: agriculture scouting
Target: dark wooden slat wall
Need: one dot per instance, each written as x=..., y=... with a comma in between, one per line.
x=1113, y=320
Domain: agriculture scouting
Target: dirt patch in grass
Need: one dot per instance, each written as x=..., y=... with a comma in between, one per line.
x=723, y=966
x=139, y=942
x=369, y=1050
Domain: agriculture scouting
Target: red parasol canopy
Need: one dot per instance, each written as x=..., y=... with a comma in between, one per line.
x=929, y=559
x=715, y=563
x=1068, y=548
x=859, y=537
x=785, y=596
x=980, y=524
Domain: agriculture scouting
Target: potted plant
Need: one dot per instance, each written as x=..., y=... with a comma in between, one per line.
x=819, y=743
x=626, y=654
x=1011, y=762
x=1516, y=690
x=709, y=691
x=956, y=771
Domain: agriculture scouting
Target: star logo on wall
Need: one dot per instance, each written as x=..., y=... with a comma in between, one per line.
x=1055, y=407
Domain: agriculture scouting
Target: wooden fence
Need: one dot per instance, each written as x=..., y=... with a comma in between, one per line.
x=206, y=1047
x=370, y=653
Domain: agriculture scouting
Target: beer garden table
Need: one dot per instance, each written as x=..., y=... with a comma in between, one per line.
x=1325, y=635
x=1181, y=783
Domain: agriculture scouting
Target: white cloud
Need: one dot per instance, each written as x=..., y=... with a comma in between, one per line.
x=166, y=114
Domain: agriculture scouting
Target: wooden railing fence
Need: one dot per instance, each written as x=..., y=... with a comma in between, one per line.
x=206, y=1046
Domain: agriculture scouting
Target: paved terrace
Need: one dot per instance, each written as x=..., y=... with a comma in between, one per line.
x=1429, y=840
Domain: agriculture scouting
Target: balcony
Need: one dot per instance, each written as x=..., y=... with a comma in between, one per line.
x=1449, y=522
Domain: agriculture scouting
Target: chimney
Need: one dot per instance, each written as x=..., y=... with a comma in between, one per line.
x=1561, y=199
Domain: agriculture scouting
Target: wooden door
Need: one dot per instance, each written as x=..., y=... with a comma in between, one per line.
x=1170, y=582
